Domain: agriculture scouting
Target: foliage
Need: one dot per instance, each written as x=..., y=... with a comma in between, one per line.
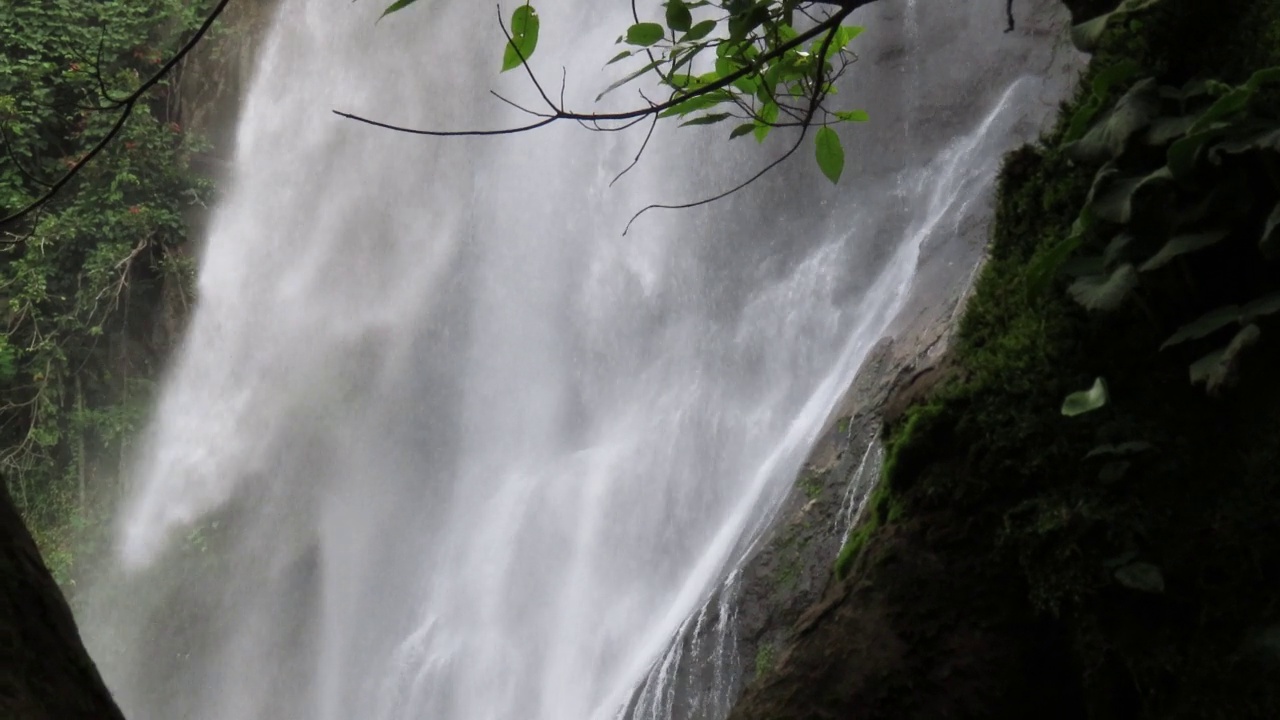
x=763, y=64
x=1142, y=532
x=1184, y=170
x=80, y=279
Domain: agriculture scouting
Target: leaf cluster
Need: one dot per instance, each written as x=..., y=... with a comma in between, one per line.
x=1183, y=170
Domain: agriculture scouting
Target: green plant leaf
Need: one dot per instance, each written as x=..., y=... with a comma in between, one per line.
x=1270, y=242
x=1079, y=403
x=1045, y=265
x=839, y=41
x=396, y=6
x=741, y=130
x=1101, y=86
x=1186, y=153
x=768, y=114
x=700, y=102
x=630, y=76
x=1217, y=370
x=1205, y=325
x=1105, y=292
x=1266, y=139
x=707, y=119
x=743, y=22
x=645, y=34
x=1121, y=450
x=1267, y=305
x=1120, y=199
x=524, y=37
x=1140, y=576
x=1109, y=138
x=1166, y=130
x=853, y=115
x=830, y=153
x=1181, y=245
x=620, y=56
x=678, y=16
x=699, y=31
x=1087, y=35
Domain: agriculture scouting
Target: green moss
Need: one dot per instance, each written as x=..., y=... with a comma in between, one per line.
x=853, y=546
x=812, y=484
x=764, y=659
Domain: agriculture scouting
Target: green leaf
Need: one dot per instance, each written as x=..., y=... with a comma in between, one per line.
x=830, y=153
x=1087, y=35
x=768, y=114
x=701, y=102
x=1101, y=86
x=1181, y=245
x=629, y=78
x=1267, y=139
x=1108, y=139
x=1139, y=200
x=743, y=22
x=524, y=37
x=741, y=130
x=1204, y=325
x=1105, y=292
x=707, y=119
x=1217, y=370
x=620, y=56
x=1267, y=305
x=678, y=16
x=396, y=6
x=1165, y=130
x=853, y=115
x=1121, y=450
x=645, y=34
x=699, y=31
x=1044, y=266
x=1140, y=576
x=1079, y=403
x=1270, y=242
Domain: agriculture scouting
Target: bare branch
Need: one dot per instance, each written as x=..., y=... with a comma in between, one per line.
x=726, y=193
x=643, y=145
x=450, y=133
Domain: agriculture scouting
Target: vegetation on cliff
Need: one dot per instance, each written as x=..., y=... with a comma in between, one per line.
x=1141, y=534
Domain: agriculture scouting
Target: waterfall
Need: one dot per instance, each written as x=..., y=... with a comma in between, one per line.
x=440, y=442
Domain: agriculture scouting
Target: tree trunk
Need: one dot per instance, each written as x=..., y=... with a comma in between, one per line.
x=45, y=672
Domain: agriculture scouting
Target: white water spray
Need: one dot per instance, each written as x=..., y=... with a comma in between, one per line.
x=472, y=455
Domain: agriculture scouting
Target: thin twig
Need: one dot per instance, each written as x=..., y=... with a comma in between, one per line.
x=643, y=145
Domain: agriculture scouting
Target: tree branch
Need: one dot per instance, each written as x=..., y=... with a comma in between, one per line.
x=562, y=114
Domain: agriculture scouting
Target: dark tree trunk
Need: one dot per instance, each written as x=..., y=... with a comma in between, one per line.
x=45, y=672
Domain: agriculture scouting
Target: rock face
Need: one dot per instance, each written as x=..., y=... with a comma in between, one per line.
x=914, y=634
x=45, y=673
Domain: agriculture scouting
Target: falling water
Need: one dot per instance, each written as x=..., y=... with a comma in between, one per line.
x=861, y=483
x=440, y=443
